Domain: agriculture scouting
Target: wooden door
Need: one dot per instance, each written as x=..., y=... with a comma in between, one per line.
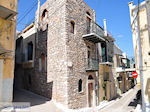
x=90, y=94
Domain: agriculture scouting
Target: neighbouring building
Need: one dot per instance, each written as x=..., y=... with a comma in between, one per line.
x=140, y=33
x=63, y=60
x=124, y=79
x=8, y=11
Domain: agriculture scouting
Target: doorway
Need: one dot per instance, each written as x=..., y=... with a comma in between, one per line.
x=88, y=25
x=91, y=92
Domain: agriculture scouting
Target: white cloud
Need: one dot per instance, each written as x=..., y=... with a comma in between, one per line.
x=119, y=35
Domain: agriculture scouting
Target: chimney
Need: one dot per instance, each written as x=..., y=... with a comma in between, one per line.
x=130, y=3
x=105, y=28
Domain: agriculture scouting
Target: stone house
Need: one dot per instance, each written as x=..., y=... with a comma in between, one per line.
x=61, y=61
x=122, y=70
x=8, y=12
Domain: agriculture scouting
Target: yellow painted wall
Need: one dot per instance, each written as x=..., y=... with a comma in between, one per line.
x=110, y=84
x=7, y=41
x=10, y=4
x=7, y=36
x=101, y=82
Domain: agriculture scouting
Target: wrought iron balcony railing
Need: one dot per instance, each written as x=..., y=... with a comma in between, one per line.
x=91, y=64
x=94, y=33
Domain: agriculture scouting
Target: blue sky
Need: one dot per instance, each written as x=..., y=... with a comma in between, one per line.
x=116, y=13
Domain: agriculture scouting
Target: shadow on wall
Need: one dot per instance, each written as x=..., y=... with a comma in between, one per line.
x=147, y=92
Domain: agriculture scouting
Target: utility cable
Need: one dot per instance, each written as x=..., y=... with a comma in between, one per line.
x=27, y=13
x=27, y=9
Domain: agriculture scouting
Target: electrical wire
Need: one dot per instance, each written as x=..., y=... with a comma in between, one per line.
x=27, y=9
x=27, y=13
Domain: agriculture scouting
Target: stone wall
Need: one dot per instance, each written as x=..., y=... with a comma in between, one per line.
x=35, y=79
x=77, y=50
x=56, y=50
x=66, y=54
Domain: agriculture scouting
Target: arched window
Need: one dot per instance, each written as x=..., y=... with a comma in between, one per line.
x=88, y=13
x=90, y=77
x=44, y=14
x=80, y=86
x=72, y=23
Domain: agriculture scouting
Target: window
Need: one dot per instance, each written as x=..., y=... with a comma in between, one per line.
x=80, y=86
x=44, y=14
x=90, y=78
x=43, y=61
x=104, y=52
x=30, y=51
x=88, y=13
x=72, y=27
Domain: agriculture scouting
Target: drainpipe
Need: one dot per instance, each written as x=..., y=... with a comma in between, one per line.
x=105, y=28
x=97, y=75
x=38, y=20
x=105, y=34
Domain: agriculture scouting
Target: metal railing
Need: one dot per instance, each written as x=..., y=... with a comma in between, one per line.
x=91, y=64
x=95, y=28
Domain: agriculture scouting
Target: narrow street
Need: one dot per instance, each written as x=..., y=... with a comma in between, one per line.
x=37, y=102
x=124, y=104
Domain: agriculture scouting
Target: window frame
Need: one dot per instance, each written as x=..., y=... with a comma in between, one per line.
x=80, y=86
x=44, y=14
x=72, y=27
x=29, y=46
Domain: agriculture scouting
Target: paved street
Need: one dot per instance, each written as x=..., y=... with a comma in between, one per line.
x=38, y=103
x=124, y=104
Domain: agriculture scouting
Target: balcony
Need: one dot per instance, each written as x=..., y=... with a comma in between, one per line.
x=94, y=33
x=6, y=13
x=92, y=64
